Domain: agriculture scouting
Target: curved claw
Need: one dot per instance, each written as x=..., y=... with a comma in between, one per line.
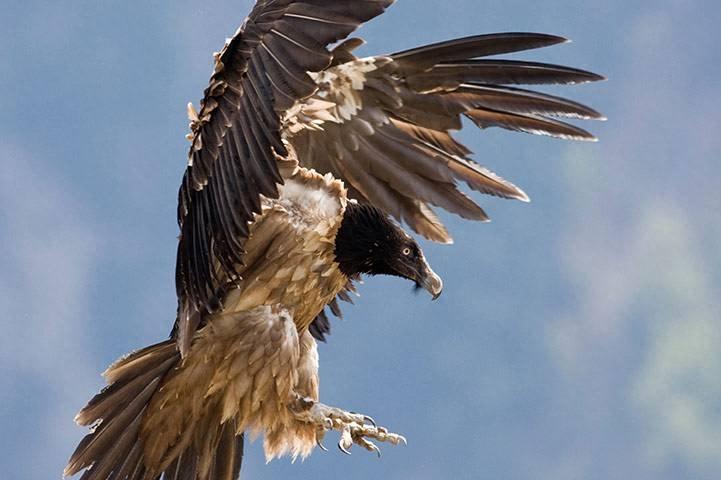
x=375, y=448
x=342, y=448
x=320, y=445
x=403, y=439
x=346, y=440
x=370, y=420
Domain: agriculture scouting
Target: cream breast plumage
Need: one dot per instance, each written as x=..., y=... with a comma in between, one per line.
x=300, y=157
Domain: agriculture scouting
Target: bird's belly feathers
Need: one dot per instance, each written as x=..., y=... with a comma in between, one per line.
x=301, y=283
x=243, y=368
x=251, y=359
x=291, y=260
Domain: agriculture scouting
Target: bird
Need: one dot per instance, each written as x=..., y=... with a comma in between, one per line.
x=305, y=163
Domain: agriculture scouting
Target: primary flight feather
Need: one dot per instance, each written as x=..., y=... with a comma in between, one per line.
x=299, y=154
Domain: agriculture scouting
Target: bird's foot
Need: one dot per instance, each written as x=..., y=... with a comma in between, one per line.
x=354, y=428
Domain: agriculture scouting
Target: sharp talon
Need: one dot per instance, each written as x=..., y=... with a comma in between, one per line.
x=375, y=448
x=354, y=428
x=370, y=420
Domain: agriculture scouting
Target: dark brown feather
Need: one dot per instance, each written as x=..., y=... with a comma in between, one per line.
x=500, y=72
x=516, y=100
x=472, y=47
x=260, y=73
x=113, y=448
x=536, y=125
x=397, y=151
x=97, y=445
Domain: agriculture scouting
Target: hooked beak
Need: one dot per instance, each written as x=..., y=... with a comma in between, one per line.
x=428, y=279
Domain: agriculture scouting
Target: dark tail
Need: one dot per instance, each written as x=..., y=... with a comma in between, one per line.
x=113, y=449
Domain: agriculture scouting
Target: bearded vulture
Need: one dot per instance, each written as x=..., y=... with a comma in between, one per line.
x=300, y=155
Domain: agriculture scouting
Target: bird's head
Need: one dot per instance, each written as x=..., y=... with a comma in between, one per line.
x=368, y=242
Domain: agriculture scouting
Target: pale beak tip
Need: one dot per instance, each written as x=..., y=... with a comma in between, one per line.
x=434, y=286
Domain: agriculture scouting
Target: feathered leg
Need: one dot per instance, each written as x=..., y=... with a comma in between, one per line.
x=307, y=410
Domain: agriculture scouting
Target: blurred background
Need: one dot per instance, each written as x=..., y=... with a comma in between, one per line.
x=578, y=337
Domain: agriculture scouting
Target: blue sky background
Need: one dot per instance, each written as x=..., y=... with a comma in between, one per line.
x=578, y=337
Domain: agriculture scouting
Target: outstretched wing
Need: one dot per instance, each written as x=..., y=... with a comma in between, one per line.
x=383, y=124
x=237, y=153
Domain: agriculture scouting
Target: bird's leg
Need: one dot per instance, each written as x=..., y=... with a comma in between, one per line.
x=354, y=428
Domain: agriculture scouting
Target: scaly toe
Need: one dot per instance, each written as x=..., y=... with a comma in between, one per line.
x=368, y=445
x=354, y=428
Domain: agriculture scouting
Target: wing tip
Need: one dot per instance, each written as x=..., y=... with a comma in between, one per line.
x=590, y=138
x=545, y=39
x=522, y=196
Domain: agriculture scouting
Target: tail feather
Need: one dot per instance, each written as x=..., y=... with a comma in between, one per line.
x=118, y=395
x=114, y=449
x=112, y=453
x=222, y=461
x=228, y=454
x=101, y=444
x=185, y=466
x=132, y=467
